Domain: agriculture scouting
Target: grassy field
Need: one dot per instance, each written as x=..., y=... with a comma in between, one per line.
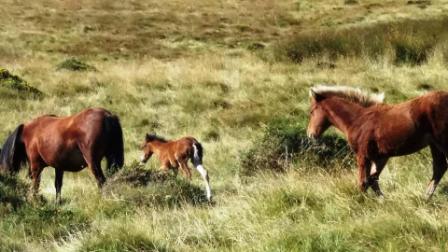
x=235, y=75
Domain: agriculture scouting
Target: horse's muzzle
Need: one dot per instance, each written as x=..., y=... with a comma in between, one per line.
x=143, y=160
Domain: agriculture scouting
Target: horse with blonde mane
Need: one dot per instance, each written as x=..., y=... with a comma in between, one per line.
x=174, y=154
x=377, y=131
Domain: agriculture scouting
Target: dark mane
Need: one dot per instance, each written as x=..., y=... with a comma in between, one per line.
x=154, y=137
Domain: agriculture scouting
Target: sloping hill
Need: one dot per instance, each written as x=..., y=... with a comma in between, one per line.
x=234, y=74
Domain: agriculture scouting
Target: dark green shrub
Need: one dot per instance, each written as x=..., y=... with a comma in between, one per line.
x=412, y=53
x=73, y=64
x=13, y=193
x=285, y=142
x=211, y=135
x=17, y=85
x=351, y=2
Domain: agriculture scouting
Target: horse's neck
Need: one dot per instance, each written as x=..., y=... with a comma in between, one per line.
x=157, y=146
x=342, y=113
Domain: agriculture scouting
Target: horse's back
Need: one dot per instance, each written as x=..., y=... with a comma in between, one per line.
x=405, y=127
x=58, y=139
x=188, y=140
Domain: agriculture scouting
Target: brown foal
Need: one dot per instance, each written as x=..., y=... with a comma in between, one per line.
x=377, y=131
x=175, y=154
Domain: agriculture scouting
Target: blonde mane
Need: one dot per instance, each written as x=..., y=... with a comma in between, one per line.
x=353, y=94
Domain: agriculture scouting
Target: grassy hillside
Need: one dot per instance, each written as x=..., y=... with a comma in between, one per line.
x=234, y=74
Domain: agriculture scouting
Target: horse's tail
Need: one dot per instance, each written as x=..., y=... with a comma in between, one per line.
x=13, y=153
x=197, y=153
x=115, y=148
x=197, y=162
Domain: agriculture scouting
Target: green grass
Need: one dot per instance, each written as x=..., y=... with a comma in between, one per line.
x=235, y=75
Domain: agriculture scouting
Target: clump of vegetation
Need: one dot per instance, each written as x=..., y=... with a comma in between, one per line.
x=136, y=176
x=411, y=51
x=160, y=188
x=17, y=84
x=211, y=135
x=13, y=193
x=411, y=41
x=285, y=142
x=351, y=2
x=73, y=64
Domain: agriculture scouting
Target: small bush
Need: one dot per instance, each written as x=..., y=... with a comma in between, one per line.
x=211, y=135
x=160, y=189
x=17, y=84
x=138, y=177
x=411, y=52
x=73, y=64
x=351, y=2
x=285, y=142
x=13, y=193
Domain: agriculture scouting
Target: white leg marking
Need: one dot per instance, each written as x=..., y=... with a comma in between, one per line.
x=204, y=175
x=373, y=169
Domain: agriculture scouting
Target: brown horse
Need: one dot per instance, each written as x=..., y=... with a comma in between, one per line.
x=175, y=154
x=66, y=143
x=377, y=131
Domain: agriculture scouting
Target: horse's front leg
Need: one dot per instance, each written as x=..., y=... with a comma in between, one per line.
x=185, y=169
x=364, y=166
x=439, y=166
x=165, y=168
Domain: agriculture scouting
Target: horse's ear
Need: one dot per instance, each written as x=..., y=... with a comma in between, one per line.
x=147, y=137
x=316, y=96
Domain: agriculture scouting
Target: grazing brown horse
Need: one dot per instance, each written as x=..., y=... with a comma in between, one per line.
x=175, y=154
x=66, y=143
x=377, y=131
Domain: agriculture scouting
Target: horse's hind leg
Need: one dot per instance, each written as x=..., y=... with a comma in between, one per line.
x=439, y=166
x=98, y=173
x=204, y=175
x=58, y=183
x=94, y=164
x=377, y=168
x=35, y=170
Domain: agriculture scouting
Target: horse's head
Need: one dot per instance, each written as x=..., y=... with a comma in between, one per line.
x=319, y=121
x=147, y=149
